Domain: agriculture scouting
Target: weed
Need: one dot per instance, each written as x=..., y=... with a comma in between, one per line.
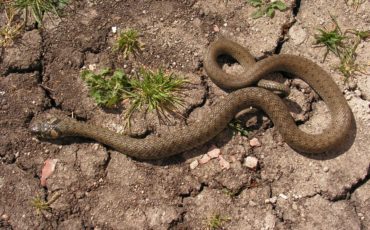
x=229, y=192
x=11, y=29
x=147, y=90
x=40, y=205
x=266, y=7
x=106, y=88
x=154, y=91
x=237, y=128
x=39, y=7
x=128, y=43
x=216, y=221
x=343, y=45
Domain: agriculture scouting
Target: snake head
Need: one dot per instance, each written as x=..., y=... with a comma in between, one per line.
x=46, y=128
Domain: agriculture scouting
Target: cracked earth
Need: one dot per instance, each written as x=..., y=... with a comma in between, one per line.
x=102, y=189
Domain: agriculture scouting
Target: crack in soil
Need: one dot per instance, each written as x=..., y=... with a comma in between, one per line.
x=346, y=194
x=286, y=27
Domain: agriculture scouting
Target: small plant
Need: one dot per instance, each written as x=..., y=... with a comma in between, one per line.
x=238, y=128
x=147, y=90
x=39, y=7
x=128, y=43
x=40, y=205
x=106, y=88
x=216, y=221
x=154, y=91
x=11, y=29
x=343, y=45
x=229, y=192
x=266, y=7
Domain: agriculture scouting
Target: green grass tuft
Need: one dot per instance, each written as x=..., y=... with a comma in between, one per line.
x=154, y=91
x=148, y=90
x=216, y=221
x=40, y=205
x=128, y=43
x=39, y=7
x=343, y=45
x=266, y=7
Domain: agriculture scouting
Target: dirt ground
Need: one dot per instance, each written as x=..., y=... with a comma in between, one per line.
x=102, y=189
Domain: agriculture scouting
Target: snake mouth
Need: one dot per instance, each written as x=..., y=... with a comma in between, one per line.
x=46, y=129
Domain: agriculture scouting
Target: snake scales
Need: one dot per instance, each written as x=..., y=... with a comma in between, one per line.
x=171, y=143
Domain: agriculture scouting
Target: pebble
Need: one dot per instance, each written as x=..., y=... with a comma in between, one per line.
x=216, y=29
x=272, y=200
x=285, y=197
x=114, y=29
x=358, y=93
x=254, y=142
x=224, y=163
x=214, y=152
x=252, y=203
x=5, y=217
x=194, y=164
x=205, y=158
x=251, y=162
x=348, y=97
x=326, y=169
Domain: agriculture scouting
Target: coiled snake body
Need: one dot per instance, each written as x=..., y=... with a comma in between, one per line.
x=171, y=143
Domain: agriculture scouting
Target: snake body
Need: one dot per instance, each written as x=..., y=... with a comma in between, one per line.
x=198, y=133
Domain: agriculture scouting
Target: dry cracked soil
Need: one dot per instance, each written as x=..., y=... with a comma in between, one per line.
x=100, y=188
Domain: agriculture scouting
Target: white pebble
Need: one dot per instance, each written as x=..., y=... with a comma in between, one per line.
x=214, y=152
x=254, y=142
x=251, y=162
x=224, y=163
x=283, y=196
x=205, y=158
x=114, y=29
x=194, y=164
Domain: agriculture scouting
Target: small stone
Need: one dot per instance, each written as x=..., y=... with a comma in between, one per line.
x=326, y=169
x=205, y=158
x=194, y=164
x=283, y=196
x=5, y=217
x=224, y=163
x=348, y=97
x=273, y=200
x=214, y=152
x=114, y=29
x=358, y=93
x=252, y=203
x=47, y=170
x=95, y=147
x=216, y=29
x=251, y=162
x=254, y=142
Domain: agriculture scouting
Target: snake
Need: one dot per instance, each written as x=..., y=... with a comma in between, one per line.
x=245, y=93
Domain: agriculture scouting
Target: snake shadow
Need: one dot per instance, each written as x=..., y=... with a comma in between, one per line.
x=340, y=149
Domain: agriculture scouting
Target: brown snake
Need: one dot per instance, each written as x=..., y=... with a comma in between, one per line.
x=198, y=133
